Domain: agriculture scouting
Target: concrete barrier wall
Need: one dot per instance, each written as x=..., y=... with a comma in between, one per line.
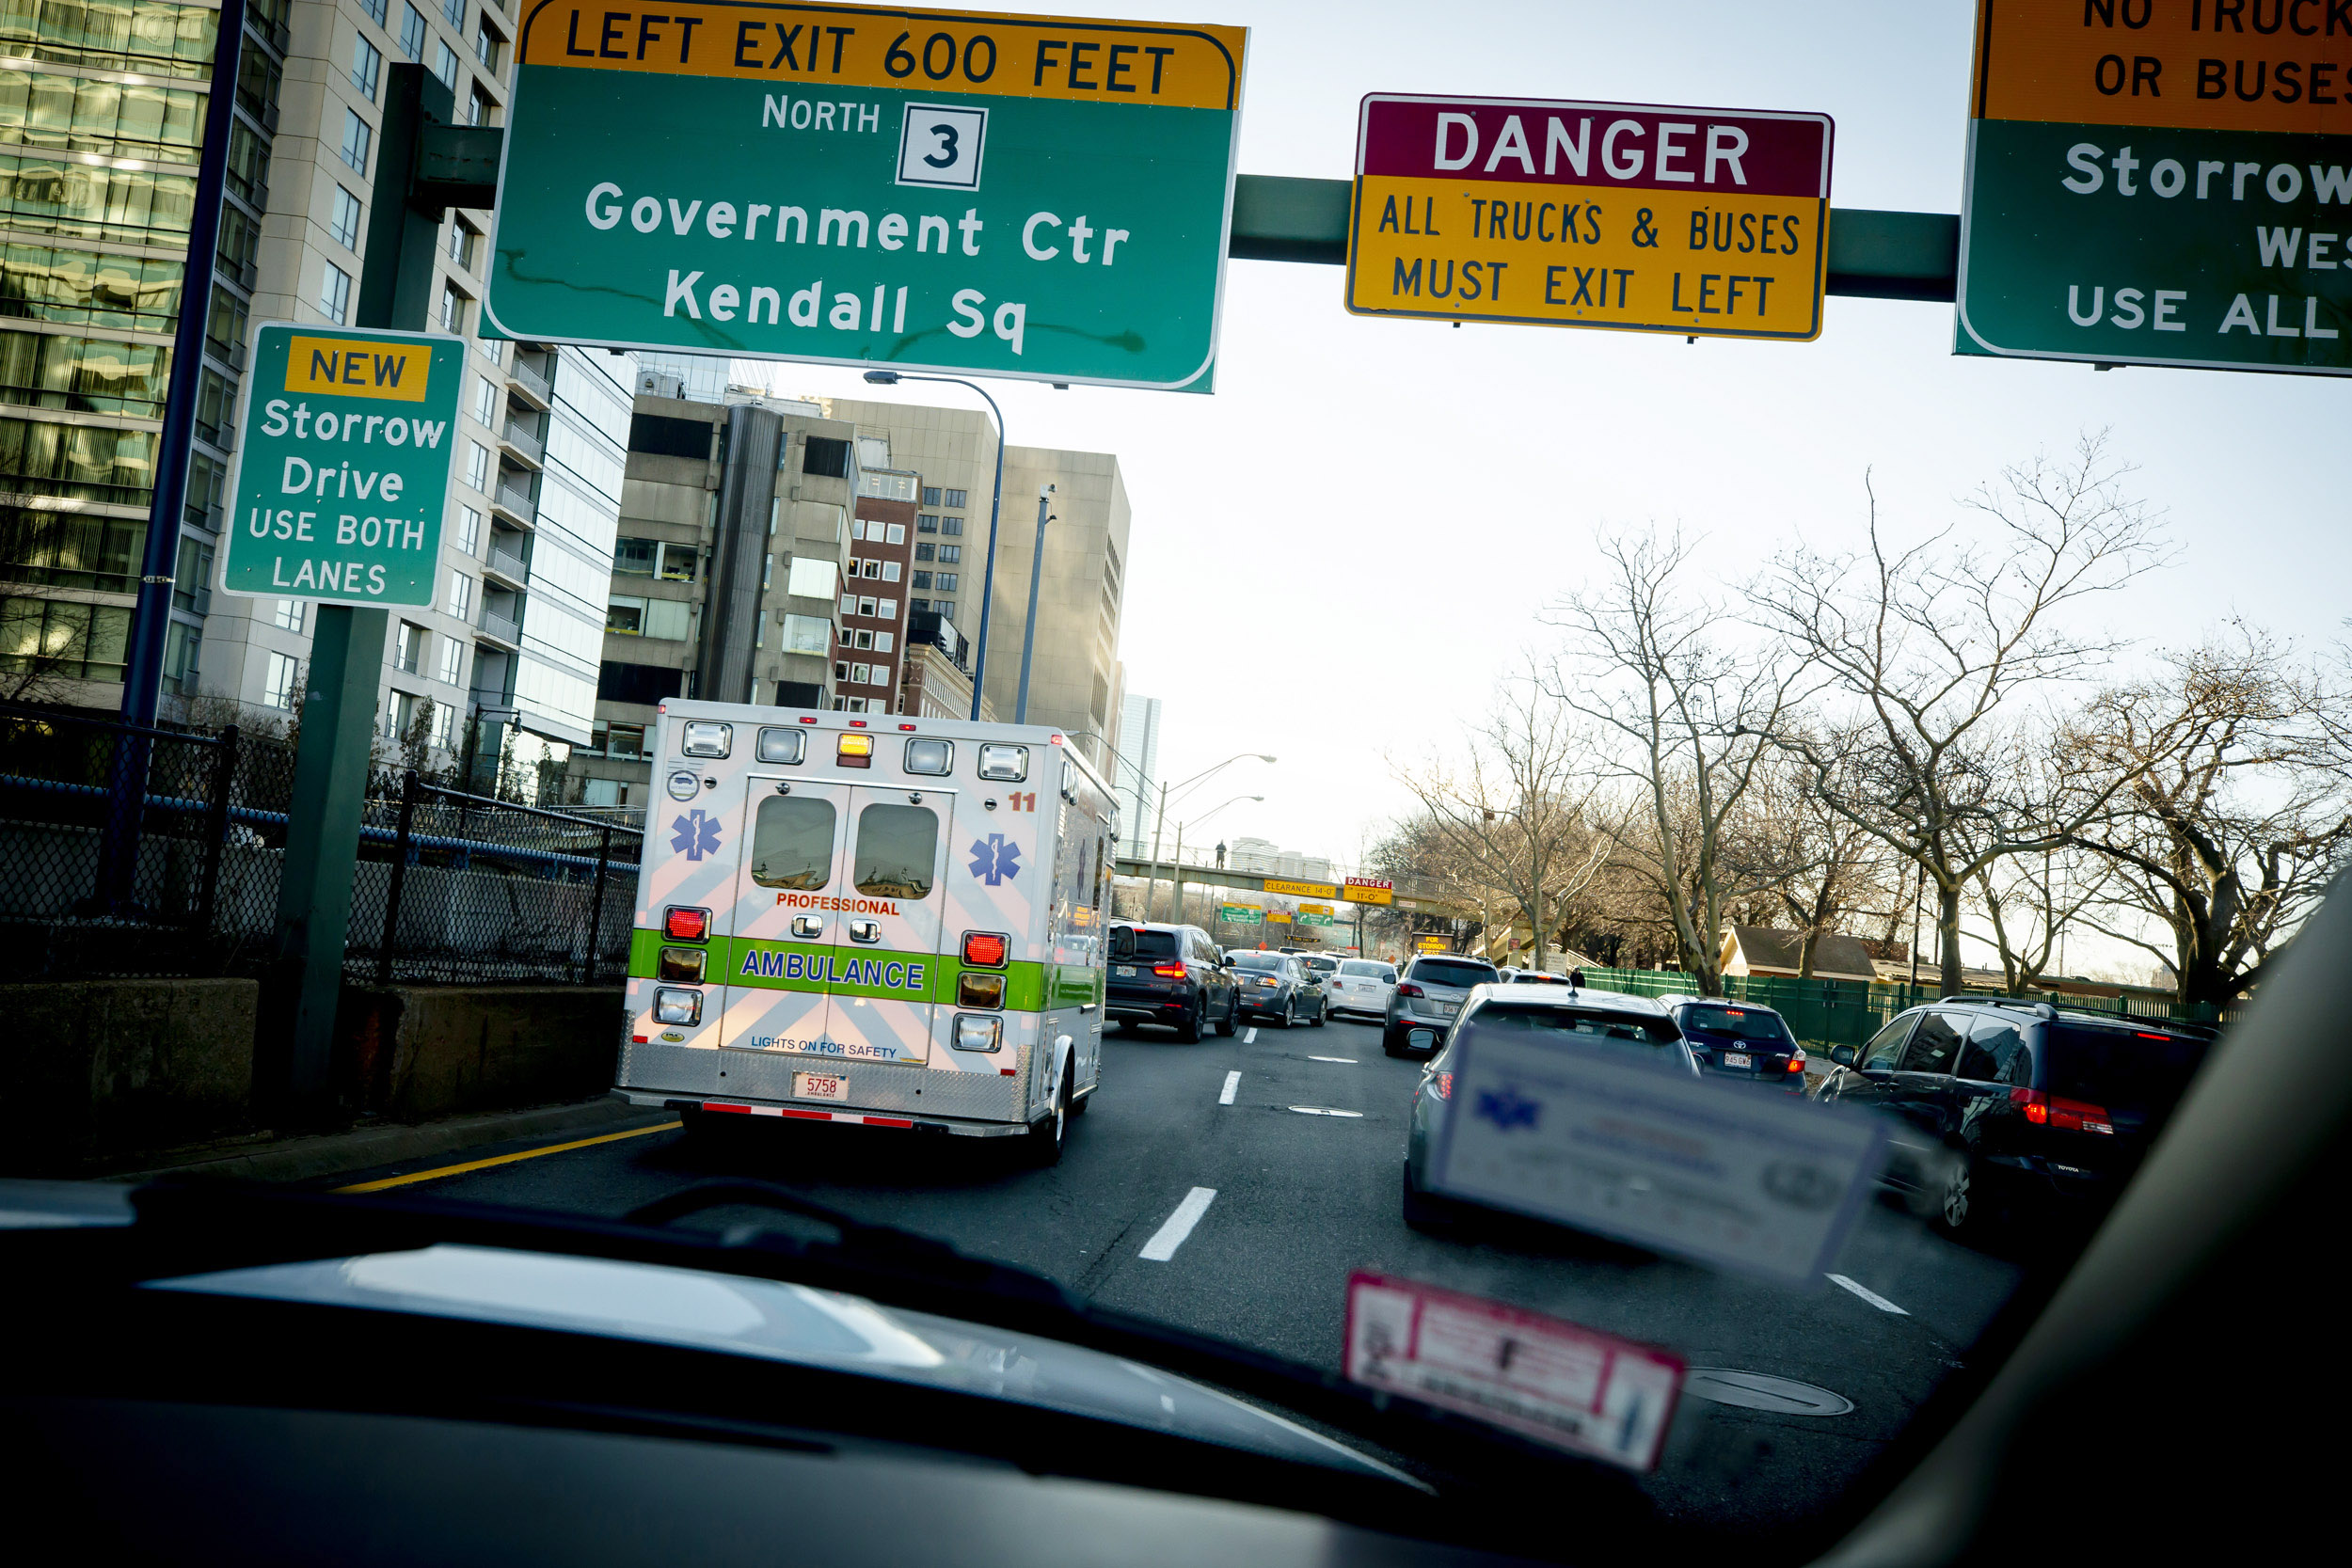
x=98, y=1068
x=413, y=1052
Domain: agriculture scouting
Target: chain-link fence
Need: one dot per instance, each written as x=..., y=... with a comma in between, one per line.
x=127, y=850
x=458, y=888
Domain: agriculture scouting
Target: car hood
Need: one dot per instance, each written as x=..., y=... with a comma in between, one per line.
x=781, y=1322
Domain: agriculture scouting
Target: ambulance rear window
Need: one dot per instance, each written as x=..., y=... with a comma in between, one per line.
x=792, y=842
x=897, y=847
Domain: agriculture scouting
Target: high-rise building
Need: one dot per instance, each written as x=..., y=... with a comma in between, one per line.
x=500, y=671
x=1136, y=771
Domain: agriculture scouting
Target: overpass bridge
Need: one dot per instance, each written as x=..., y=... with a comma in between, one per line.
x=1411, y=895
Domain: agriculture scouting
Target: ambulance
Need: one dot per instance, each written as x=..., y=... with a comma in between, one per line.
x=863, y=918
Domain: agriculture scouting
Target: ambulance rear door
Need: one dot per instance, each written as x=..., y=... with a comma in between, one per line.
x=887, y=966
x=787, y=914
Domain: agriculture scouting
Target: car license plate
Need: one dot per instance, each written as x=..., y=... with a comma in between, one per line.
x=820, y=1085
x=1738, y=1058
x=1125, y=971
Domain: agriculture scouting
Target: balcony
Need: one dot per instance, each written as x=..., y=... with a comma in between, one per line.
x=499, y=628
x=523, y=444
x=506, y=564
x=517, y=501
x=531, y=383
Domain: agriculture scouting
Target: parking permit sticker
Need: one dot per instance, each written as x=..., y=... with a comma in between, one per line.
x=1716, y=1171
x=1540, y=1377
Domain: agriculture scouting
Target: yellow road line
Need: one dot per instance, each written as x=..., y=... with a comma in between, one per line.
x=503, y=1160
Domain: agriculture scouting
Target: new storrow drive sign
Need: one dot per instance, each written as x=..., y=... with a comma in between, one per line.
x=1014, y=196
x=1706, y=222
x=2161, y=182
x=344, y=470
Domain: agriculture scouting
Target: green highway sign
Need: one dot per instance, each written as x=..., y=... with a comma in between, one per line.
x=2143, y=189
x=1027, y=197
x=343, y=469
x=1309, y=917
x=1240, y=914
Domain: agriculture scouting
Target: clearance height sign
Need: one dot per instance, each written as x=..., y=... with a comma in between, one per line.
x=1014, y=196
x=1707, y=222
x=2161, y=182
x=344, y=466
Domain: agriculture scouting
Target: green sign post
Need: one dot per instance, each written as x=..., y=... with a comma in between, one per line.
x=2144, y=188
x=1025, y=196
x=344, y=470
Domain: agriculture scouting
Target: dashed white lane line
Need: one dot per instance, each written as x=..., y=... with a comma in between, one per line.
x=1169, y=1237
x=1322, y=1111
x=1232, y=1081
x=1249, y=1036
x=1349, y=1060
x=1870, y=1295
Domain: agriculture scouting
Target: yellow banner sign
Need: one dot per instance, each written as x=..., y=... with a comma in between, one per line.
x=1357, y=893
x=358, y=368
x=1704, y=222
x=1302, y=890
x=1315, y=909
x=941, y=51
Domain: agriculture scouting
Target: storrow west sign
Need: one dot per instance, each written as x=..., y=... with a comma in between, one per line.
x=1027, y=197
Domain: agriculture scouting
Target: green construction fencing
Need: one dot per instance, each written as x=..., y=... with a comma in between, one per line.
x=1849, y=1012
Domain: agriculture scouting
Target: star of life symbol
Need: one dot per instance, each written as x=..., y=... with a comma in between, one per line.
x=695, y=834
x=994, y=860
x=1506, y=1108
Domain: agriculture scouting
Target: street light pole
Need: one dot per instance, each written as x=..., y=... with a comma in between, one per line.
x=1152, y=889
x=1176, y=868
x=996, y=499
x=1028, y=626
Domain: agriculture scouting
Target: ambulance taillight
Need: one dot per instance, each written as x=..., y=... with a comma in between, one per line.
x=979, y=990
x=855, y=750
x=985, y=949
x=979, y=1032
x=681, y=925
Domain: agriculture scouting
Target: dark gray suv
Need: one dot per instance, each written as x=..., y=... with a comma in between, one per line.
x=1428, y=995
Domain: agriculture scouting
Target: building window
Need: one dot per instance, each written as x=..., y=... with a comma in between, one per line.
x=486, y=401
x=344, y=223
x=885, y=641
x=376, y=10
x=807, y=634
x=926, y=522
x=182, y=643
x=478, y=467
x=288, y=615
x=951, y=525
x=896, y=535
x=445, y=65
x=918, y=606
x=367, y=65
x=335, y=294
x=925, y=550
x=402, y=720
x=357, y=135
x=634, y=557
x=455, y=11
x=950, y=553
x=277, y=688
x=812, y=579
x=452, y=310
x=888, y=609
x=840, y=673
x=863, y=640
x=866, y=606
x=952, y=500
x=412, y=32
x=922, y=580
x=461, y=243
x=944, y=607
x=453, y=666
x=468, y=531
x=861, y=674
x=945, y=581
x=408, y=649
x=460, y=596
x=849, y=604
x=625, y=617
x=677, y=564
x=479, y=110
x=193, y=574
x=930, y=495
x=486, y=48
x=444, y=727
x=890, y=570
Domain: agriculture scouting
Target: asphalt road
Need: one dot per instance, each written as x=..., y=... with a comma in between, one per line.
x=1301, y=1200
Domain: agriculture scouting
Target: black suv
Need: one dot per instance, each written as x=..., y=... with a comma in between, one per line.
x=2017, y=1107
x=1169, y=974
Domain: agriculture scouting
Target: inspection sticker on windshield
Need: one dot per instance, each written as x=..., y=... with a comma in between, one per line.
x=1537, y=1376
x=1723, y=1172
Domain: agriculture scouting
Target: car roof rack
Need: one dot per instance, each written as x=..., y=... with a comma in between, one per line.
x=2038, y=1009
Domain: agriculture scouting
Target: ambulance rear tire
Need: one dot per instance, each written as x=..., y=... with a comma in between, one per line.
x=1046, y=1138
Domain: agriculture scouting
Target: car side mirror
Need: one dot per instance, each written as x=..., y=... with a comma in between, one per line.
x=1842, y=1054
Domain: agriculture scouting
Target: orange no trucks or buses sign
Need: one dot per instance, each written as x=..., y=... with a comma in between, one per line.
x=1706, y=222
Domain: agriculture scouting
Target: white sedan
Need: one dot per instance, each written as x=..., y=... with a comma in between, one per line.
x=1361, y=986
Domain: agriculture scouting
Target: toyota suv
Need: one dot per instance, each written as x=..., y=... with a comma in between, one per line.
x=1426, y=998
x=2016, y=1109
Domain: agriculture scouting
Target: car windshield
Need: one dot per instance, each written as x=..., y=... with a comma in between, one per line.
x=1443, y=972
x=1748, y=1026
x=1128, y=941
x=1834, y=654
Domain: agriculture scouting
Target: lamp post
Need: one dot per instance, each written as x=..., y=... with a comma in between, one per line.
x=1151, y=887
x=1176, y=867
x=1028, y=626
x=996, y=498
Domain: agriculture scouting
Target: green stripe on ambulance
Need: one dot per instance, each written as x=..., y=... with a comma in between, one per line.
x=839, y=971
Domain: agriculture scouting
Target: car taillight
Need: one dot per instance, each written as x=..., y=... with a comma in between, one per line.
x=686, y=925
x=1408, y=989
x=1443, y=1083
x=1169, y=971
x=1796, y=1063
x=984, y=949
x=2073, y=1116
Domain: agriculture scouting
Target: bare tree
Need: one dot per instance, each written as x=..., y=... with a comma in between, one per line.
x=1510, y=815
x=1829, y=869
x=2237, y=813
x=1940, y=647
x=1680, y=719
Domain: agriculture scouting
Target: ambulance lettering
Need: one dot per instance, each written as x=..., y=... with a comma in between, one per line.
x=828, y=969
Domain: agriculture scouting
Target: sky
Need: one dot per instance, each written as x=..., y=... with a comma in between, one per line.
x=1337, y=555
